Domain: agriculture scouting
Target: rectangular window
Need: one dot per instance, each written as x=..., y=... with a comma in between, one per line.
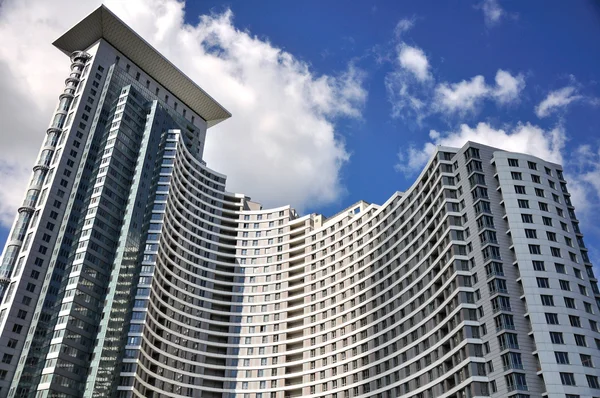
x=565, y=285
x=557, y=338
x=575, y=321
x=567, y=379
x=580, y=340
x=527, y=218
x=531, y=233
x=535, y=249
x=593, y=381
x=551, y=319
x=586, y=360
x=543, y=283
x=570, y=303
x=539, y=266
x=561, y=357
x=547, y=300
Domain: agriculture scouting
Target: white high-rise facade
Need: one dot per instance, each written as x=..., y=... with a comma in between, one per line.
x=131, y=272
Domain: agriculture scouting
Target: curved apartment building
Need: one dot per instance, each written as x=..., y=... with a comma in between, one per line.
x=131, y=271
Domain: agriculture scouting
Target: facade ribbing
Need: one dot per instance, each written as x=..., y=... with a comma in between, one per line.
x=131, y=271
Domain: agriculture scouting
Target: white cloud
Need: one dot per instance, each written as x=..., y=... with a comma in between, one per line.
x=582, y=166
x=415, y=61
x=281, y=145
x=524, y=138
x=508, y=87
x=556, y=100
x=403, y=26
x=467, y=96
x=492, y=12
x=462, y=97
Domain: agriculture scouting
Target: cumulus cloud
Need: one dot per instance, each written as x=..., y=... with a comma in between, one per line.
x=466, y=96
x=415, y=61
x=508, y=87
x=460, y=97
x=581, y=165
x=523, y=137
x=414, y=94
x=282, y=144
x=492, y=12
x=557, y=100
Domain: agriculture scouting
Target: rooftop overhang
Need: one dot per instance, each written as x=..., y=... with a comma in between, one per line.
x=103, y=24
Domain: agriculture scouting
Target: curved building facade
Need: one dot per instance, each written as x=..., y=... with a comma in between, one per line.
x=158, y=282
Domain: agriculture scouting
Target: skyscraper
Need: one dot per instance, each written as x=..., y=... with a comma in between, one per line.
x=131, y=272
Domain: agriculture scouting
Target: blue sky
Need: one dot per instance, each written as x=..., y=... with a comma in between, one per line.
x=397, y=77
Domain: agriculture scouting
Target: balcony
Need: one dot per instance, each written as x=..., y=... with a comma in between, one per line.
x=501, y=308
x=509, y=346
x=505, y=326
x=513, y=365
x=494, y=273
x=515, y=387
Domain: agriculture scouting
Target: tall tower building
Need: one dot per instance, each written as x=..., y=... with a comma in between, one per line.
x=130, y=271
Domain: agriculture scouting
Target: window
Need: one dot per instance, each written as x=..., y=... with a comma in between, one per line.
x=567, y=379
x=575, y=321
x=580, y=340
x=523, y=204
x=562, y=357
x=535, y=249
x=516, y=175
x=527, y=218
x=513, y=162
x=565, y=285
x=539, y=266
x=560, y=268
x=551, y=236
x=7, y=358
x=532, y=165
x=568, y=242
x=555, y=251
x=569, y=303
x=543, y=206
x=547, y=300
x=539, y=192
x=592, y=381
x=551, y=318
x=583, y=290
x=531, y=233
x=557, y=338
x=586, y=360
x=543, y=283
x=556, y=198
x=520, y=189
